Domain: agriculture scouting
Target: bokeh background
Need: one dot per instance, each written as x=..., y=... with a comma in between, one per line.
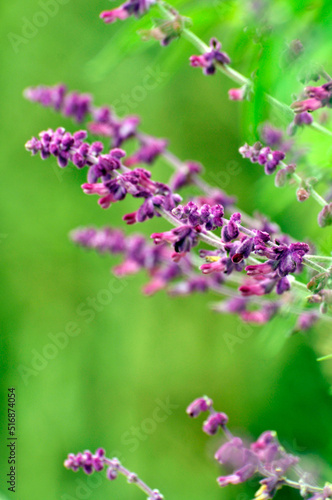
x=138, y=351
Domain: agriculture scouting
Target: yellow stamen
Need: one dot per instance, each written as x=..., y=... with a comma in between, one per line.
x=212, y=258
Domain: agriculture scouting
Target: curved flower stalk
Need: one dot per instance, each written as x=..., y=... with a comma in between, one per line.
x=264, y=458
x=98, y=462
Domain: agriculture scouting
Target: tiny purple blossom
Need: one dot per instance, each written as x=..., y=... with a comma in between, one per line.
x=198, y=406
x=213, y=422
x=263, y=155
x=209, y=59
x=131, y=7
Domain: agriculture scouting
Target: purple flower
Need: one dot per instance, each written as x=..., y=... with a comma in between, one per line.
x=131, y=7
x=231, y=230
x=183, y=238
x=208, y=217
x=67, y=147
x=87, y=461
x=213, y=422
x=287, y=258
x=198, y=406
x=237, y=94
x=73, y=105
x=262, y=155
x=235, y=455
x=318, y=97
x=47, y=96
x=213, y=265
x=209, y=60
x=259, y=286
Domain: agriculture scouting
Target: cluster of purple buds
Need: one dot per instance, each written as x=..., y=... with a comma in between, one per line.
x=208, y=217
x=79, y=106
x=67, y=147
x=283, y=258
x=262, y=155
x=318, y=97
x=87, y=461
x=130, y=8
x=231, y=230
x=156, y=195
x=97, y=462
x=210, y=59
x=70, y=104
x=265, y=457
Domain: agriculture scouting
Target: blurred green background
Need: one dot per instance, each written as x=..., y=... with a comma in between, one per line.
x=138, y=351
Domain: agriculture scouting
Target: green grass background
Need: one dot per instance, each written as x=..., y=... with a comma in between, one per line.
x=137, y=349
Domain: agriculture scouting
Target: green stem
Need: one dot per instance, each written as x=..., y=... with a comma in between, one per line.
x=323, y=358
x=232, y=73
x=320, y=258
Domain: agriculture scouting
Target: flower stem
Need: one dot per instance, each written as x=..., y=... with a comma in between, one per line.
x=232, y=73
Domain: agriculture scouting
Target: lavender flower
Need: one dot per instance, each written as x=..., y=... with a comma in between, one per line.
x=80, y=106
x=263, y=155
x=198, y=406
x=213, y=422
x=208, y=217
x=210, y=59
x=97, y=462
x=129, y=8
x=264, y=457
x=318, y=97
x=183, y=238
x=231, y=230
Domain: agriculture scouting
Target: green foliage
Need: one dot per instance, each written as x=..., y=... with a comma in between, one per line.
x=136, y=350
